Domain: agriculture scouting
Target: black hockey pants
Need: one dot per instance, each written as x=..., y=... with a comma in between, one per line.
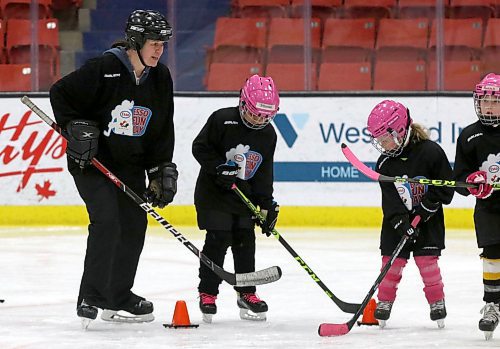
x=116, y=237
x=242, y=242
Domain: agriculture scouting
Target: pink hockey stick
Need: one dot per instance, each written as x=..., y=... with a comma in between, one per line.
x=368, y=172
x=328, y=330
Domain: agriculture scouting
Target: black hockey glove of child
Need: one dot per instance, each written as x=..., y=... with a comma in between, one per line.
x=403, y=227
x=271, y=216
x=162, y=184
x=226, y=175
x=426, y=209
x=83, y=141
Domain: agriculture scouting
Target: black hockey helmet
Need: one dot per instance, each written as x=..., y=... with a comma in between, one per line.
x=146, y=24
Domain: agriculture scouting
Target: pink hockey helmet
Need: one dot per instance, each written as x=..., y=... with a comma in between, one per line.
x=487, y=100
x=389, y=123
x=259, y=101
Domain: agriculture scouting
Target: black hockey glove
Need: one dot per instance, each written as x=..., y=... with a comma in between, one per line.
x=271, y=216
x=226, y=175
x=426, y=210
x=403, y=227
x=162, y=184
x=83, y=141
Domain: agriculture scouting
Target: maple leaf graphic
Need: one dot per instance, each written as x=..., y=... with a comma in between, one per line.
x=45, y=192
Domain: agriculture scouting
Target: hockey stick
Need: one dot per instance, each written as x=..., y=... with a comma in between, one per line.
x=341, y=329
x=345, y=307
x=246, y=279
x=368, y=172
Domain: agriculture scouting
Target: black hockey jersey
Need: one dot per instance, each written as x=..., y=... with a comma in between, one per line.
x=136, y=120
x=225, y=138
x=478, y=148
x=418, y=159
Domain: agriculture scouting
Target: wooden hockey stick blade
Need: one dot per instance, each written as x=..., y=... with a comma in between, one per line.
x=368, y=172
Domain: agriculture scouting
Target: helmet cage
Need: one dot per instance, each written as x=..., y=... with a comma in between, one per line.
x=487, y=100
x=255, y=121
x=390, y=143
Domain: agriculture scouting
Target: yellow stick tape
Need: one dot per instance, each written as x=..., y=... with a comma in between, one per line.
x=310, y=216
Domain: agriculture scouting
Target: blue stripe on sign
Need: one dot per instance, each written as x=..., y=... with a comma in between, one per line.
x=286, y=129
x=319, y=172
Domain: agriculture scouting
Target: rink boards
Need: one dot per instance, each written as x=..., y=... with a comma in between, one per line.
x=315, y=185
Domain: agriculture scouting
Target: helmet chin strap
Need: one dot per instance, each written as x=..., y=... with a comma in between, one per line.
x=138, y=50
x=408, y=137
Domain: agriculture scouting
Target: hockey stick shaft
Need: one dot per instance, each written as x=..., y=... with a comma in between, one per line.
x=344, y=306
x=342, y=329
x=368, y=172
x=247, y=279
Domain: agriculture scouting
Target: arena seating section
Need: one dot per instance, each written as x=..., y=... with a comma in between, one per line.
x=15, y=43
x=355, y=44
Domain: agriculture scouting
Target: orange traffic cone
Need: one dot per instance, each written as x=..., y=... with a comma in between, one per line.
x=369, y=314
x=181, y=317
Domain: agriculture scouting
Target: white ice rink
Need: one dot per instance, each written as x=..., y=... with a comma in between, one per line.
x=40, y=271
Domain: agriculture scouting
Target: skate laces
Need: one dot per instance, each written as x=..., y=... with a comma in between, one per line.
x=251, y=297
x=439, y=305
x=383, y=305
x=207, y=298
x=491, y=312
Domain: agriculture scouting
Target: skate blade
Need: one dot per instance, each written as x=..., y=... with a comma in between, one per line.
x=85, y=323
x=246, y=314
x=488, y=335
x=440, y=323
x=207, y=318
x=382, y=323
x=122, y=316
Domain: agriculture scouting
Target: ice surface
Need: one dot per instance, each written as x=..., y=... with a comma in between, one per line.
x=41, y=269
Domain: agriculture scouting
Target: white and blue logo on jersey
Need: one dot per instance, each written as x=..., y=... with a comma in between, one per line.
x=247, y=160
x=411, y=193
x=128, y=120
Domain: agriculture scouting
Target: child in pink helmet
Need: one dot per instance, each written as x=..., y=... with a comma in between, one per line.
x=477, y=161
x=407, y=151
x=236, y=146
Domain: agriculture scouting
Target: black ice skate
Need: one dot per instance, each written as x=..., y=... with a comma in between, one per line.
x=251, y=307
x=87, y=313
x=491, y=316
x=383, y=312
x=207, y=306
x=438, y=312
x=141, y=311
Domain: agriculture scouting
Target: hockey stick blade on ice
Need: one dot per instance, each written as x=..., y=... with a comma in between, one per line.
x=329, y=330
x=368, y=172
x=260, y=277
x=350, y=308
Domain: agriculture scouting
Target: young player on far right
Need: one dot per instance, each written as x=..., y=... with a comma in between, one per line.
x=477, y=160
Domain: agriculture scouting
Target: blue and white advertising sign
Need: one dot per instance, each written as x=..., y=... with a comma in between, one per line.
x=310, y=169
